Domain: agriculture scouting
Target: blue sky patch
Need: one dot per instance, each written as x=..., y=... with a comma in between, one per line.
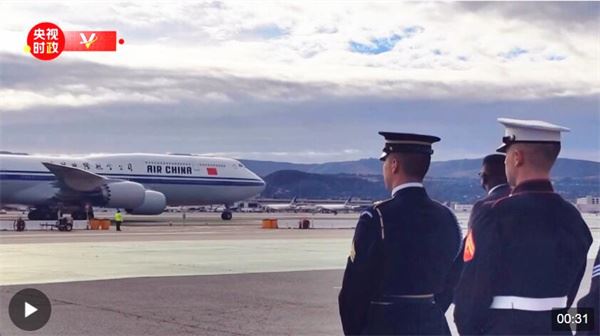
x=267, y=31
x=377, y=45
x=556, y=58
x=513, y=53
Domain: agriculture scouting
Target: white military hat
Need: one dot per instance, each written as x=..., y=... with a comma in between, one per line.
x=534, y=131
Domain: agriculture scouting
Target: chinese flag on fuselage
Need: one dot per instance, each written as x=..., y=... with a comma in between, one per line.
x=212, y=171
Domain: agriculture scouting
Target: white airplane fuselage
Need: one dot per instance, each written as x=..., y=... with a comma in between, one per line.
x=182, y=179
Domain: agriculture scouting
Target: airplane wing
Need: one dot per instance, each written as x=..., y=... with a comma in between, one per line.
x=75, y=178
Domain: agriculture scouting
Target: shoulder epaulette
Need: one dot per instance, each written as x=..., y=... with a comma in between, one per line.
x=500, y=200
x=378, y=203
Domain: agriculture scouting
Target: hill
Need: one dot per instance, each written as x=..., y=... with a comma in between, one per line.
x=564, y=168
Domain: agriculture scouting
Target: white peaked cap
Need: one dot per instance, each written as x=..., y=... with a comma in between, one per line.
x=517, y=130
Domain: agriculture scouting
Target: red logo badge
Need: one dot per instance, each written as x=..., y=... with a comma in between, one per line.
x=469, y=253
x=46, y=41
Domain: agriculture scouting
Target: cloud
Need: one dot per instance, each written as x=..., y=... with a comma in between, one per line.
x=581, y=15
x=299, y=79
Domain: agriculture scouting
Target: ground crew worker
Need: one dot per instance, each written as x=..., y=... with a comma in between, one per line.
x=118, y=219
x=402, y=250
x=525, y=255
x=19, y=224
x=592, y=300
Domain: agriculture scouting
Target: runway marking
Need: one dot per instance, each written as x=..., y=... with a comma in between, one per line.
x=81, y=261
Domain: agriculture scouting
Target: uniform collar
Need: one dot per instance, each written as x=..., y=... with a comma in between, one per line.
x=406, y=185
x=497, y=187
x=533, y=186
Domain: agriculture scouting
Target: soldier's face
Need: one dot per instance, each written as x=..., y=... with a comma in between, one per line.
x=483, y=174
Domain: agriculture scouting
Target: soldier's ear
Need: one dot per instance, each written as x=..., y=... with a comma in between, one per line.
x=395, y=164
x=518, y=158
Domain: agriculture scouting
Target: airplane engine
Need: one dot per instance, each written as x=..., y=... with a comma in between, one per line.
x=123, y=194
x=154, y=204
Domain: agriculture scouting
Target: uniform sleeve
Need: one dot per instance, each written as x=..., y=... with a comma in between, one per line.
x=361, y=278
x=586, y=241
x=592, y=299
x=444, y=299
x=474, y=294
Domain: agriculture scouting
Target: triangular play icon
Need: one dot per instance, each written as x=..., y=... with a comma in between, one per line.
x=29, y=309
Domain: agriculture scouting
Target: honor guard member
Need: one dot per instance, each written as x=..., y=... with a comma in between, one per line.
x=402, y=250
x=592, y=300
x=525, y=255
x=493, y=180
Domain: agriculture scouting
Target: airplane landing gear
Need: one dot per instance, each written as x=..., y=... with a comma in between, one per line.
x=42, y=214
x=226, y=215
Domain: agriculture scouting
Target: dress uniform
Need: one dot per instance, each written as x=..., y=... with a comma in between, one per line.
x=592, y=299
x=402, y=250
x=479, y=209
x=524, y=255
x=497, y=192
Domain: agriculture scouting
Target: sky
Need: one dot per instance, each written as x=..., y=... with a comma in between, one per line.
x=300, y=81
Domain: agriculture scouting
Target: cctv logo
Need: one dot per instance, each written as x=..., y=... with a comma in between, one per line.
x=88, y=43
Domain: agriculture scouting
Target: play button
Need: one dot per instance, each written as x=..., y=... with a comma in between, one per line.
x=29, y=309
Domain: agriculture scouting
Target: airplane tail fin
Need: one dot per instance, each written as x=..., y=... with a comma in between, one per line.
x=348, y=200
x=293, y=200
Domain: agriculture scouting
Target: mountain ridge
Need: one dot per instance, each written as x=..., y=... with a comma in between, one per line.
x=564, y=168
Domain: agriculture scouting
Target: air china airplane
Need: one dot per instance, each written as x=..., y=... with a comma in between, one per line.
x=139, y=183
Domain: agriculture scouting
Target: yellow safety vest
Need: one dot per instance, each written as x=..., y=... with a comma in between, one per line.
x=118, y=217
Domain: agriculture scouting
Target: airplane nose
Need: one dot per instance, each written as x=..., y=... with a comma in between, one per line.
x=261, y=184
x=264, y=184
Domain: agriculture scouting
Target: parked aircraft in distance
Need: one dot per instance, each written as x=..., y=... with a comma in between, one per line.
x=334, y=208
x=281, y=207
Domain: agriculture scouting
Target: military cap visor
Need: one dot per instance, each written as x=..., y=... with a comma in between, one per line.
x=407, y=143
x=528, y=131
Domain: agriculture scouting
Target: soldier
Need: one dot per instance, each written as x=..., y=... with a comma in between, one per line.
x=526, y=254
x=493, y=181
x=402, y=250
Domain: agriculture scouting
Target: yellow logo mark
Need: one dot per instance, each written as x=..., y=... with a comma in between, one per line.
x=86, y=41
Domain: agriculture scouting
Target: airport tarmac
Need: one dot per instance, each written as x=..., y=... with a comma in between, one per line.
x=198, y=276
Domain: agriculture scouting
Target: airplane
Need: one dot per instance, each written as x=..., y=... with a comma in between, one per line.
x=142, y=184
x=334, y=208
x=281, y=207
